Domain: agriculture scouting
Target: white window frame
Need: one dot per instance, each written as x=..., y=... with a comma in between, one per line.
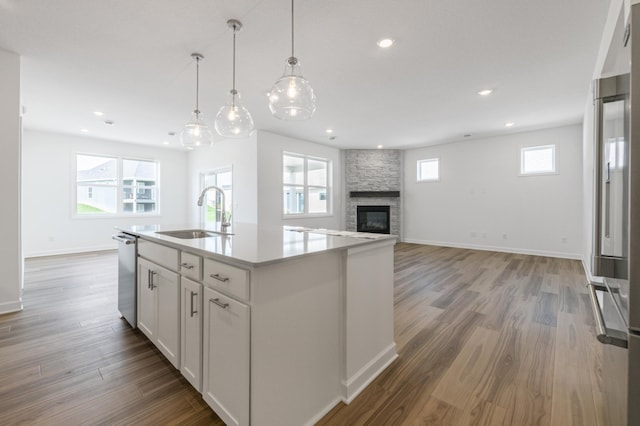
x=119, y=188
x=419, y=178
x=525, y=149
x=306, y=186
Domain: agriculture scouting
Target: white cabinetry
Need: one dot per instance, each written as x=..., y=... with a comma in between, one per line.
x=159, y=308
x=225, y=385
x=191, y=332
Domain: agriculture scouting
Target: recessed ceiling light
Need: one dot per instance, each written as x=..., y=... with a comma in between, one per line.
x=109, y=123
x=329, y=131
x=385, y=42
x=485, y=92
x=509, y=124
x=84, y=130
x=380, y=146
x=332, y=138
x=165, y=142
x=98, y=113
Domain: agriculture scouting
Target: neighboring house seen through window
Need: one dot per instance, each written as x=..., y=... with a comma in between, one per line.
x=114, y=185
x=306, y=185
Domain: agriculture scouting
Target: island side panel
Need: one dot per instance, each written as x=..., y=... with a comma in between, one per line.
x=368, y=341
x=295, y=339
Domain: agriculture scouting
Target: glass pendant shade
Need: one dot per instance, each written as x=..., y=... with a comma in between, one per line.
x=196, y=133
x=233, y=119
x=292, y=97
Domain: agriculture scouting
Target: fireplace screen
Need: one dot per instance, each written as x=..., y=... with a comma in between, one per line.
x=373, y=219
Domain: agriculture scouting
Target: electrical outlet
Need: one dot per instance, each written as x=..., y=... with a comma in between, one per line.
x=504, y=236
x=564, y=240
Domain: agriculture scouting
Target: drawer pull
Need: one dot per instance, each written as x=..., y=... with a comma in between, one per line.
x=151, y=275
x=186, y=265
x=219, y=277
x=219, y=303
x=193, y=294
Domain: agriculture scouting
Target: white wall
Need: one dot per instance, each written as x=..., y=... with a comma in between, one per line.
x=241, y=156
x=48, y=182
x=10, y=248
x=480, y=198
x=270, y=149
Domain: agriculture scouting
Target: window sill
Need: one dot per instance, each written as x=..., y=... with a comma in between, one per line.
x=115, y=216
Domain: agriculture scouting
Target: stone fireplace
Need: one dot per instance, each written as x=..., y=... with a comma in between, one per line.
x=373, y=180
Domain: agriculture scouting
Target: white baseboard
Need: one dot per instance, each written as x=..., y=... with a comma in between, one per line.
x=72, y=250
x=8, y=307
x=574, y=256
x=587, y=271
x=356, y=383
x=315, y=419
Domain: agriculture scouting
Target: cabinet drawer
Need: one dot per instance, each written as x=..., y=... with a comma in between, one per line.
x=226, y=278
x=191, y=266
x=162, y=255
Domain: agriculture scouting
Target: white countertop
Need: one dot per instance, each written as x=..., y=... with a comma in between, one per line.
x=255, y=245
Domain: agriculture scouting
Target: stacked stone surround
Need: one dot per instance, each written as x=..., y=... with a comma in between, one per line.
x=373, y=170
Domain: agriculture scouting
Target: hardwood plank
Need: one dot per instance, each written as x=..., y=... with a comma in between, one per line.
x=572, y=401
x=484, y=338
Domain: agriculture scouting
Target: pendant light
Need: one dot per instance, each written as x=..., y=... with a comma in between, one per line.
x=196, y=133
x=233, y=119
x=292, y=97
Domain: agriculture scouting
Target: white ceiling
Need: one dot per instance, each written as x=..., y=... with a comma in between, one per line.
x=132, y=60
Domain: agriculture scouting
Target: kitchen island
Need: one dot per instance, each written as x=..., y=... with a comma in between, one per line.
x=273, y=326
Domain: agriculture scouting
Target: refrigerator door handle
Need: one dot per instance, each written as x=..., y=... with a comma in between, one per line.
x=601, y=329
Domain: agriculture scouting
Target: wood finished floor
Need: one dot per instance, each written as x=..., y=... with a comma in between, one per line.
x=484, y=338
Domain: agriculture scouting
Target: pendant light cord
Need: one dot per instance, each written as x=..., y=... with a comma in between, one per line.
x=292, y=55
x=197, y=111
x=234, y=59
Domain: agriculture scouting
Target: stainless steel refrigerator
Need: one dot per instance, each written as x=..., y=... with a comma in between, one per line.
x=616, y=247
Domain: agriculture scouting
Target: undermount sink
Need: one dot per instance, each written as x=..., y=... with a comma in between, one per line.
x=190, y=234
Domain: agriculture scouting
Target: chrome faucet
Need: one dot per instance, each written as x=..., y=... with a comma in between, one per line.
x=223, y=223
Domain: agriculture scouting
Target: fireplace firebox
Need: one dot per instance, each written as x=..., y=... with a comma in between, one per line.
x=373, y=219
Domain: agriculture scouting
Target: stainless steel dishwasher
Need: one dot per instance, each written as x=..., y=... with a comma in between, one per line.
x=127, y=294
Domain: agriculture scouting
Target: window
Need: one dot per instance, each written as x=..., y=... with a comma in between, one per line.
x=429, y=170
x=306, y=184
x=536, y=160
x=112, y=185
x=212, y=212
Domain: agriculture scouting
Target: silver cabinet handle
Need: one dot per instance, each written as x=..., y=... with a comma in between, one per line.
x=608, y=337
x=219, y=277
x=123, y=239
x=219, y=303
x=151, y=275
x=193, y=294
x=186, y=265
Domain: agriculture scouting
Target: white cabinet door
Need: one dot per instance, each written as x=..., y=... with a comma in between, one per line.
x=167, y=285
x=159, y=308
x=147, y=301
x=225, y=385
x=191, y=332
